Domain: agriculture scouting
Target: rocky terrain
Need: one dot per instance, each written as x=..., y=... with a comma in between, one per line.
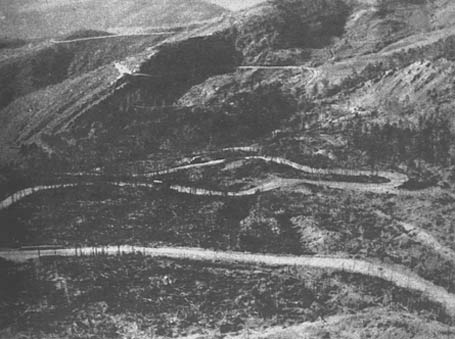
x=284, y=171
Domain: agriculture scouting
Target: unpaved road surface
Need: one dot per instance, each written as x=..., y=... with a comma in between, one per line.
x=398, y=276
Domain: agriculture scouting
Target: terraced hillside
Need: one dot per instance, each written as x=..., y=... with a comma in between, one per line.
x=286, y=171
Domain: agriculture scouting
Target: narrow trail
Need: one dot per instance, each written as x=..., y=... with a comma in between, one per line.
x=391, y=187
x=398, y=276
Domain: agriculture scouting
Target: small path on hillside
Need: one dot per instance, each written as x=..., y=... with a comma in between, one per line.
x=396, y=275
x=391, y=187
x=112, y=36
x=314, y=71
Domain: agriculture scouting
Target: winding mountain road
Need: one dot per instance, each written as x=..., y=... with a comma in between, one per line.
x=394, y=180
x=404, y=279
x=397, y=275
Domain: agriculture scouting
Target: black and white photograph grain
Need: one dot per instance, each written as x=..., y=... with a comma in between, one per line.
x=227, y=169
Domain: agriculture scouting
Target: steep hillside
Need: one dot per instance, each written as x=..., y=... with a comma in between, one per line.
x=100, y=98
x=44, y=19
x=293, y=30
x=29, y=69
x=288, y=33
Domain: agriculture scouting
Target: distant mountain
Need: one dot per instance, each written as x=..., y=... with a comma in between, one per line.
x=42, y=18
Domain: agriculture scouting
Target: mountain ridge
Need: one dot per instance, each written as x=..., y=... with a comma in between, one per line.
x=44, y=19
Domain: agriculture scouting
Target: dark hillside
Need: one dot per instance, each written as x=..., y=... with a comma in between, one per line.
x=33, y=70
x=92, y=99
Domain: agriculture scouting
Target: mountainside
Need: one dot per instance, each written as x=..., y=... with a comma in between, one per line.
x=348, y=59
x=28, y=70
x=43, y=19
x=341, y=28
x=282, y=171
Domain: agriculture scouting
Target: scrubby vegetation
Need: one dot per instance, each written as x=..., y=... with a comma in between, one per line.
x=134, y=295
x=287, y=223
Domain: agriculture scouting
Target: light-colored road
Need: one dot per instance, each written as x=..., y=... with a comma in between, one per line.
x=106, y=37
x=19, y=195
x=266, y=187
x=394, y=179
x=391, y=187
x=256, y=67
x=399, y=276
x=22, y=194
